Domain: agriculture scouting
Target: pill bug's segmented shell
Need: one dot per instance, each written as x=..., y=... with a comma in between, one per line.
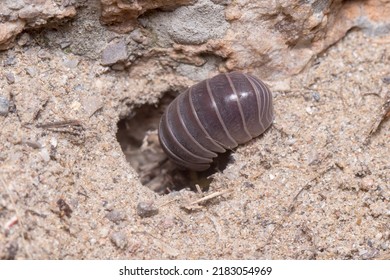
x=215, y=115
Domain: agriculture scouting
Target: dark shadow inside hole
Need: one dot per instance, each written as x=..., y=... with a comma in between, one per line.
x=137, y=135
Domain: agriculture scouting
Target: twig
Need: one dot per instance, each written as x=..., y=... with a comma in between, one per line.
x=60, y=124
x=168, y=202
x=210, y=196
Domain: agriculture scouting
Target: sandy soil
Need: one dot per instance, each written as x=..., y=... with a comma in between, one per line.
x=315, y=186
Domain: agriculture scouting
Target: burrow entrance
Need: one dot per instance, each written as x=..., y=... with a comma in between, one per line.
x=137, y=135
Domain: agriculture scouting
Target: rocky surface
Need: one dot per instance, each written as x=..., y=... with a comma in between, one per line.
x=271, y=39
x=122, y=14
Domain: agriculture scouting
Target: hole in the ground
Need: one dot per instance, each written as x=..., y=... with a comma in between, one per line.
x=137, y=135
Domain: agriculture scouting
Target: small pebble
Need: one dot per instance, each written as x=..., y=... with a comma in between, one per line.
x=378, y=236
x=309, y=110
x=4, y=106
x=70, y=63
x=45, y=155
x=24, y=39
x=134, y=245
x=114, y=53
x=362, y=172
x=248, y=185
x=146, y=209
x=31, y=71
x=368, y=254
x=119, y=239
x=167, y=222
x=12, y=250
x=53, y=142
x=367, y=184
x=137, y=36
x=104, y=232
x=10, y=60
x=44, y=55
x=108, y=206
x=291, y=141
x=31, y=143
x=91, y=104
x=115, y=216
x=386, y=80
x=316, y=96
x=64, y=44
x=10, y=77
x=93, y=225
x=313, y=158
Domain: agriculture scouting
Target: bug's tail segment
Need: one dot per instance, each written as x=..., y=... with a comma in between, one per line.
x=265, y=104
x=171, y=151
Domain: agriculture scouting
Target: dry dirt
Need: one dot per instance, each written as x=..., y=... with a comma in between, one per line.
x=315, y=186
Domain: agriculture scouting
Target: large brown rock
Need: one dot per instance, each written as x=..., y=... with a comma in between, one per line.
x=123, y=14
x=8, y=31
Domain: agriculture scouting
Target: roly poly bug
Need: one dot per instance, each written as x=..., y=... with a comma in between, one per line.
x=214, y=115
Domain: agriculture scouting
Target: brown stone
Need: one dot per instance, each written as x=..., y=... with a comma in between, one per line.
x=8, y=32
x=120, y=12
